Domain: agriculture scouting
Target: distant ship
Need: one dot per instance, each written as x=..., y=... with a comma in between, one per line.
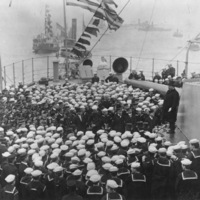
x=146, y=26
x=178, y=34
x=194, y=47
x=46, y=42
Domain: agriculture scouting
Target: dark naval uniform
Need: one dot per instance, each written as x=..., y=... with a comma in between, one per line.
x=9, y=192
x=113, y=196
x=171, y=101
x=160, y=186
x=194, y=156
x=135, y=187
x=37, y=190
x=187, y=185
x=95, y=192
x=23, y=190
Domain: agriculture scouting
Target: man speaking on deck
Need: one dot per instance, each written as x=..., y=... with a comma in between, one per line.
x=170, y=107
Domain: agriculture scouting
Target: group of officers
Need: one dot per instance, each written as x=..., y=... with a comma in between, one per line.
x=91, y=141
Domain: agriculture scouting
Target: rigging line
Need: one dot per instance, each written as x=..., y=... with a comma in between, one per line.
x=105, y=31
x=146, y=33
x=178, y=53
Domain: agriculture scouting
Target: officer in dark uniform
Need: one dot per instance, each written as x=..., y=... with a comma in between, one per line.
x=118, y=123
x=170, y=106
x=95, y=79
x=109, y=78
x=187, y=183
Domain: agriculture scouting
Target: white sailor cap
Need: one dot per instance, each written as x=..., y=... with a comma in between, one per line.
x=107, y=166
x=95, y=178
x=36, y=173
x=11, y=149
x=28, y=170
x=141, y=140
x=64, y=147
x=113, y=169
x=77, y=172
x=162, y=150
x=194, y=141
x=152, y=149
x=38, y=163
x=6, y=154
x=186, y=162
x=87, y=160
x=58, y=169
x=135, y=165
x=10, y=178
x=52, y=165
x=119, y=161
x=91, y=173
x=124, y=143
x=112, y=184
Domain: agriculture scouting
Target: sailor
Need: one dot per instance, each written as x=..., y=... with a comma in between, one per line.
x=25, y=180
x=160, y=186
x=113, y=172
x=156, y=77
x=135, y=185
x=109, y=78
x=9, y=168
x=133, y=75
x=187, y=184
x=59, y=183
x=95, y=79
x=95, y=191
x=9, y=191
x=194, y=155
x=72, y=194
x=36, y=189
x=111, y=193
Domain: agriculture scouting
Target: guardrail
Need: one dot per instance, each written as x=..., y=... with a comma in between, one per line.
x=31, y=70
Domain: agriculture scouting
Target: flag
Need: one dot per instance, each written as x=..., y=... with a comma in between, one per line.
x=80, y=46
x=110, y=2
x=92, y=30
x=89, y=3
x=86, y=35
x=96, y=22
x=77, y=52
x=84, y=41
x=99, y=13
x=113, y=19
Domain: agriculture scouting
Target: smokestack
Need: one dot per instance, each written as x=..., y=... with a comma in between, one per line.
x=74, y=28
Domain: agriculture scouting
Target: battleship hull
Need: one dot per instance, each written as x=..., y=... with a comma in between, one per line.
x=45, y=49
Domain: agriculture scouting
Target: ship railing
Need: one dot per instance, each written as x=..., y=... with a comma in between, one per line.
x=32, y=70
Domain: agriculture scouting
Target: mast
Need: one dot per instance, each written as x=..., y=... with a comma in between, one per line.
x=1, y=77
x=65, y=26
x=186, y=60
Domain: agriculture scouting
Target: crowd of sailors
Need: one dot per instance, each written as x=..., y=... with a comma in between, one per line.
x=91, y=141
x=165, y=77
